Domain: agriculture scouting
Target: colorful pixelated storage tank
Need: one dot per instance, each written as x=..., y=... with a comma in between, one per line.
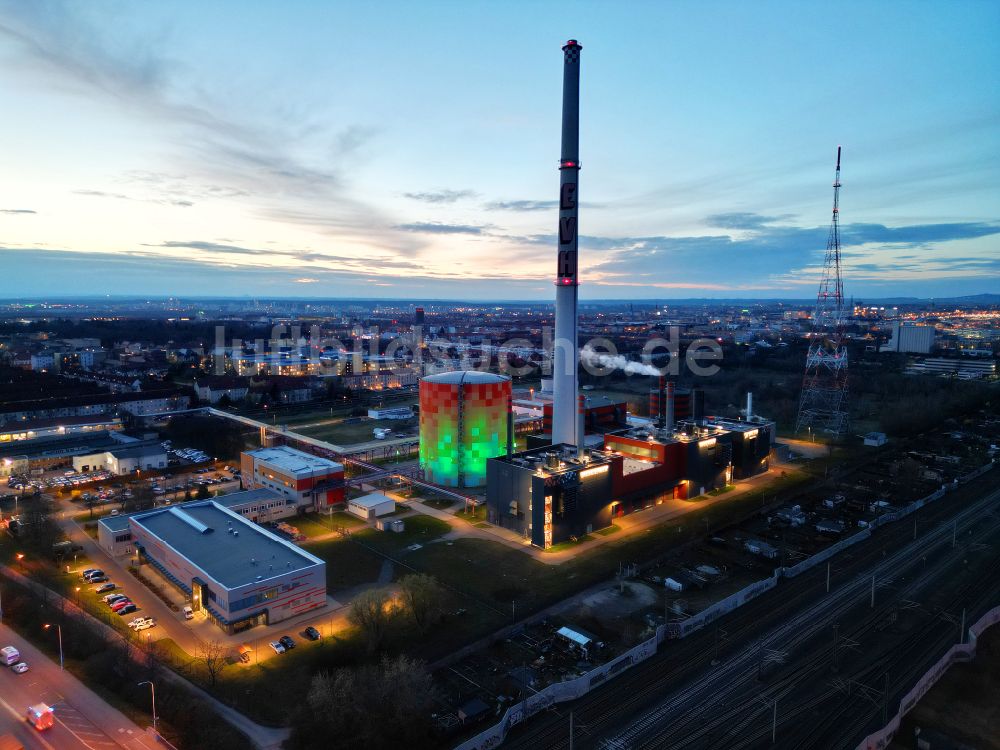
x=463, y=422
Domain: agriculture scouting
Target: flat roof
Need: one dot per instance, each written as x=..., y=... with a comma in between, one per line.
x=25, y=425
x=371, y=501
x=57, y=446
x=294, y=461
x=578, y=638
x=120, y=522
x=536, y=459
x=138, y=450
x=199, y=531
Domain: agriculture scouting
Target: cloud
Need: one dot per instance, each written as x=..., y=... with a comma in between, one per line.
x=63, y=45
x=17, y=211
x=528, y=205
x=523, y=205
x=306, y=280
x=123, y=197
x=442, y=196
x=742, y=220
x=435, y=228
x=918, y=234
x=352, y=139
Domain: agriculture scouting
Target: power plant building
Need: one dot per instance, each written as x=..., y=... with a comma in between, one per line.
x=306, y=481
x=465, y=419
x=550, y=494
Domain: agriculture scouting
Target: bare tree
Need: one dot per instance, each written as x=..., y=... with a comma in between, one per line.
x=370, y=612
x=213, y=655
x=399, y=690
x=423, y=598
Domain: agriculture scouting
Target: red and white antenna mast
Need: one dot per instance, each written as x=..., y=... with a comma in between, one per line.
x=824, y=404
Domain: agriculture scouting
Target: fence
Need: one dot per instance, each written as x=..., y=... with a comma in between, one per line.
x=825, y=554
x=573, y=689
x=559, y=693
x=958, y=652
x=731, y=602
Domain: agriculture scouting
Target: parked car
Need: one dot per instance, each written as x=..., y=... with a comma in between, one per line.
x=112, y=598
x=287, y=642
x=136, y=621
x=312, y=634
x=146, y=624
x=87, y=571
x=188, y=613
x=120, y=605
x=128, y=609
x=109, y=586
x=277, y=647
x=100, y=578
x=20, y=668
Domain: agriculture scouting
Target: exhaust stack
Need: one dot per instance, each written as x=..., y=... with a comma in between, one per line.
x=668, y=408
x=565, y=353
x=749, y=407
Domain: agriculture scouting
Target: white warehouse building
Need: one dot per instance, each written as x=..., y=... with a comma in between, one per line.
x=239, y=573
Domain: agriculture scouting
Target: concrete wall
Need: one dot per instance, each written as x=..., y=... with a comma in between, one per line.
x=959, y=652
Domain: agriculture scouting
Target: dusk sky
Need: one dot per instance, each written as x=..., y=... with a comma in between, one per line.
x=409, y=149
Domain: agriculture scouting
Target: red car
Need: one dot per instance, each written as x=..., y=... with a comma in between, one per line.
x=120, y=604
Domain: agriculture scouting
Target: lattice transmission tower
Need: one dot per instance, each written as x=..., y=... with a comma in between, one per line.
x=824, y=403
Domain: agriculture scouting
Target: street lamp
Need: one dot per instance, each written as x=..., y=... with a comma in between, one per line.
x=152, y=690
x=59, y=628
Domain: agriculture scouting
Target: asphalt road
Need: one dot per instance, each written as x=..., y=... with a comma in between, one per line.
x=83, y=720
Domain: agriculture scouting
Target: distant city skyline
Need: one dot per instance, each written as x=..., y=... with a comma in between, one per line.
x=409, y=151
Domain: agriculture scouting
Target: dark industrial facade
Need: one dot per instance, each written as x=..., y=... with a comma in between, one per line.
x=550, y=494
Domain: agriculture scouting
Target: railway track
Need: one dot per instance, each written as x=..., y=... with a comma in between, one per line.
x=740, y=675
x=679, y=662
x=739, y=726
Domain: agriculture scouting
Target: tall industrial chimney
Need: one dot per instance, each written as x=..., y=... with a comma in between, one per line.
x=668, y=407
x=749, y=406
x=565, y=353
x=656, y=402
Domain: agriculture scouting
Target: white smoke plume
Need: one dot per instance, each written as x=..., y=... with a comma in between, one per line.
x=617, y=362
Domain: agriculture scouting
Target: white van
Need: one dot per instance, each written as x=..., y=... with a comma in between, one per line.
x=188, y=613
x=10, y=655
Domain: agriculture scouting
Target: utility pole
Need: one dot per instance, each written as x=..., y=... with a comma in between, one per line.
x=961, y=633
x=828, y=577
x=885, y=699
x=774, y=722
x=570, y=730
x=836, y=645
x=873, y=592
x=954, y=534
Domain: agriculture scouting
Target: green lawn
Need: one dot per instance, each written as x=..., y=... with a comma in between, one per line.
x=418, y=529
x=347, y=564
x=358, y=432
x=316, y=524
x=358, y=559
